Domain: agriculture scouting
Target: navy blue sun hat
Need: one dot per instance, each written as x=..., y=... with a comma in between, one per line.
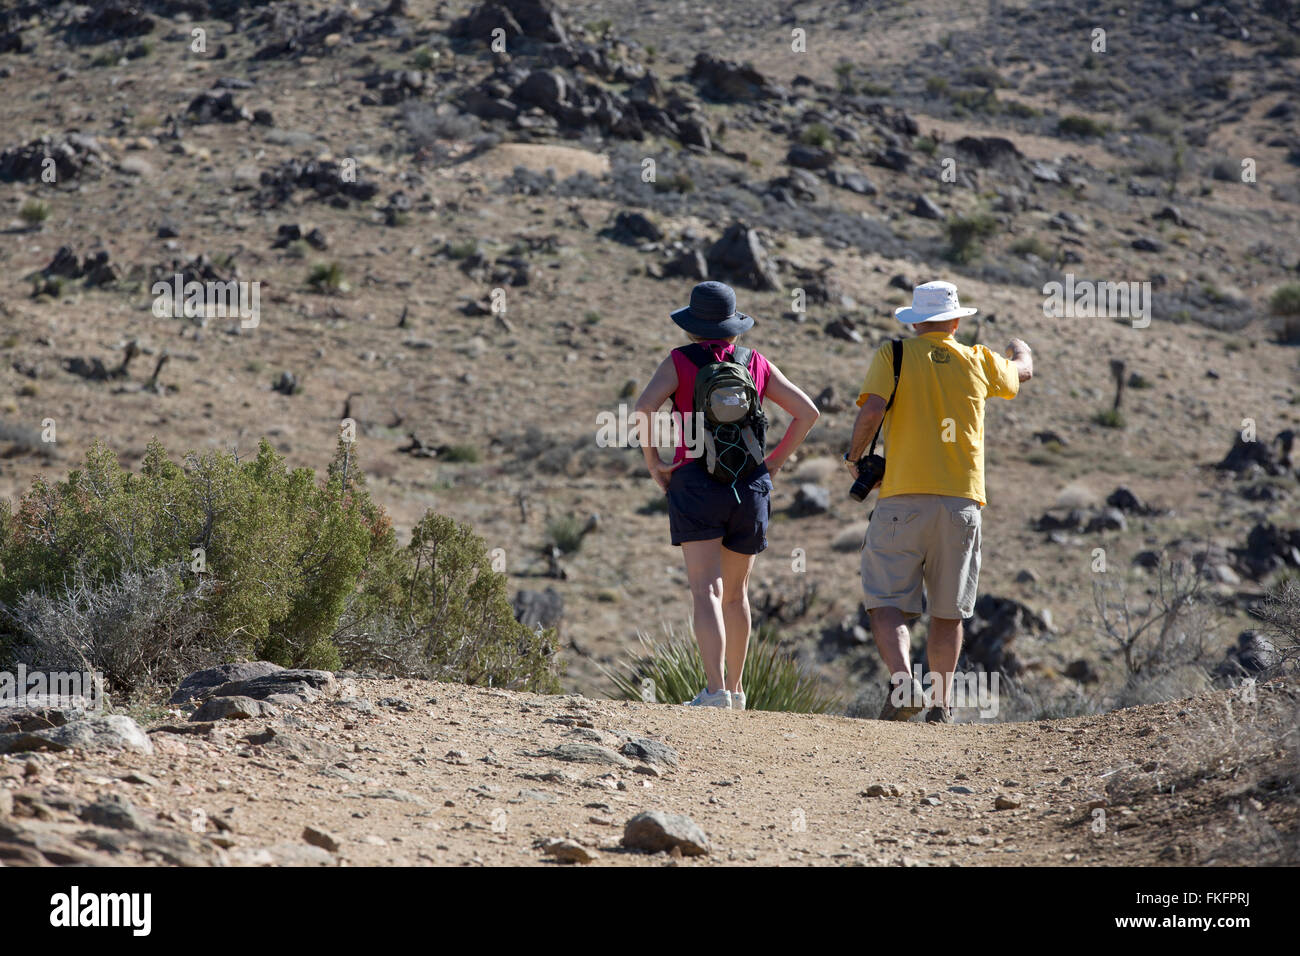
x=712, y=313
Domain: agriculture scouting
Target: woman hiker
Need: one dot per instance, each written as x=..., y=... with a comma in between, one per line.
x=719, y=492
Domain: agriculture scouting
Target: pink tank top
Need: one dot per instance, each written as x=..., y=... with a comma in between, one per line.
x=684, y=398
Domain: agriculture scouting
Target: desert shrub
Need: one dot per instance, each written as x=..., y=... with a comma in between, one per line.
x=817, y=134
x=1161, y=632
x=438, y=610
x=1083, y=126
x=966, y=236
x=327, y=277
x=1110, y=418
x=148, y=575
x=1285, y=304
x=34, y=212
x=773, y=679
x=460, y=454
x=280, y=550
x=142, y=630
x=1281, y=615
x=1248, y=739
x=565, y=533
x=1032, y=246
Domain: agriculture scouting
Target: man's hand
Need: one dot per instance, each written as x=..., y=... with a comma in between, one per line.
x=1023, y=358
x=851, y=466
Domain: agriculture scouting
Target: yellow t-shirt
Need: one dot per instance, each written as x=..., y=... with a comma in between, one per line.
x=934, y=434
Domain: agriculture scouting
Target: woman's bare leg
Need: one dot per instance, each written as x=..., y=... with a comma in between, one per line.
x=704, y=572
x=735, y=613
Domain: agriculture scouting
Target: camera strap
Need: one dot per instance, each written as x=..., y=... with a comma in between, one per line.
x=898, y=368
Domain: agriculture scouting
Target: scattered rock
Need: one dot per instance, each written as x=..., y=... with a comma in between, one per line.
x=567, y=851
x=321, y=838
x=1006, y=801
x=651, y=751
x=587, y=753
x=113, y=811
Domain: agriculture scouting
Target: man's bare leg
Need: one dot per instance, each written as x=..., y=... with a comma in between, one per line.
x=894, y=642
x=942, y=650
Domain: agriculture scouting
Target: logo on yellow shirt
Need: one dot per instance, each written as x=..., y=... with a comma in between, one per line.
x=940, y=355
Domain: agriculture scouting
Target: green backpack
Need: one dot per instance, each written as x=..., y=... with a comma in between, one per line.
x=731, y=413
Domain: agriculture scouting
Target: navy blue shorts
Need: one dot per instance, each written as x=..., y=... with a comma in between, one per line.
x=701, y=509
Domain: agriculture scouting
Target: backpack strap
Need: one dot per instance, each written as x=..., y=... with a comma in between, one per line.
x=898, y=368
x=741, y=356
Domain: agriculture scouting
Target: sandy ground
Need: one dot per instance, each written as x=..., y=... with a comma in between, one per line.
x=462, y=779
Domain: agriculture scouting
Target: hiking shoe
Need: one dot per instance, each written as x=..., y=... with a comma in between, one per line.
x=719, y=698
x=938, y=715
x=737, y=700
x=913, y=701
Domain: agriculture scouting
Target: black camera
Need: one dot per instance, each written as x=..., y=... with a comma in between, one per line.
x=871, y=471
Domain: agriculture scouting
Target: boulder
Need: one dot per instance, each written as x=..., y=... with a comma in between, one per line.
x=996, y=625
x=989, y=150
x=809, y=157
x=233, y=708
x=739, y=255
x=534, y=609
x=651, y=751
x=731, y=82
x=300, y=683
x=200, y=682
x=810, y=499
x=114, y=732
x=655, y=832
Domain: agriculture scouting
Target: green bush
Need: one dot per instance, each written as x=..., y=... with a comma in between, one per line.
x=773, y=680
x=1109, y=418
x=255, y=560
x=966, y=236
x=458, y=454
x=1032, y=246
x=438, y=610
x=34, y=212
x=1285, y=303
x=327, y=277
x=1083, y=126
x=817, y=135
x=1285, y=299
x=566, y=534
x=281, y=550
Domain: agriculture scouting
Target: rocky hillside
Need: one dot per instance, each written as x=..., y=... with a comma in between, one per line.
x=467, y=223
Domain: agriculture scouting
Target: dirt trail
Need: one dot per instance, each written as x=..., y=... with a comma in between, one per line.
x=460, y=778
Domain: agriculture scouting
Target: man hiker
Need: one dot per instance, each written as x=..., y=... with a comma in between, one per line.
x=924, y=536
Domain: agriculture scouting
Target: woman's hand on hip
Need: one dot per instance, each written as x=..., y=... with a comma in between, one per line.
x=662, y=473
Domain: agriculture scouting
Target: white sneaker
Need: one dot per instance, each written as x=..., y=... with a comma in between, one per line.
x=719, y=698
x=737, y=700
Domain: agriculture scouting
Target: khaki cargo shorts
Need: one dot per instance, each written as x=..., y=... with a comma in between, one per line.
x=923, y=549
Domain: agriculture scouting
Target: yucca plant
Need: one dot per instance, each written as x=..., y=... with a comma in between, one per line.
x=773, y=679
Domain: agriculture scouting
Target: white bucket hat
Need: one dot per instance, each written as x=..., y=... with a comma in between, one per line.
x=933, y=302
